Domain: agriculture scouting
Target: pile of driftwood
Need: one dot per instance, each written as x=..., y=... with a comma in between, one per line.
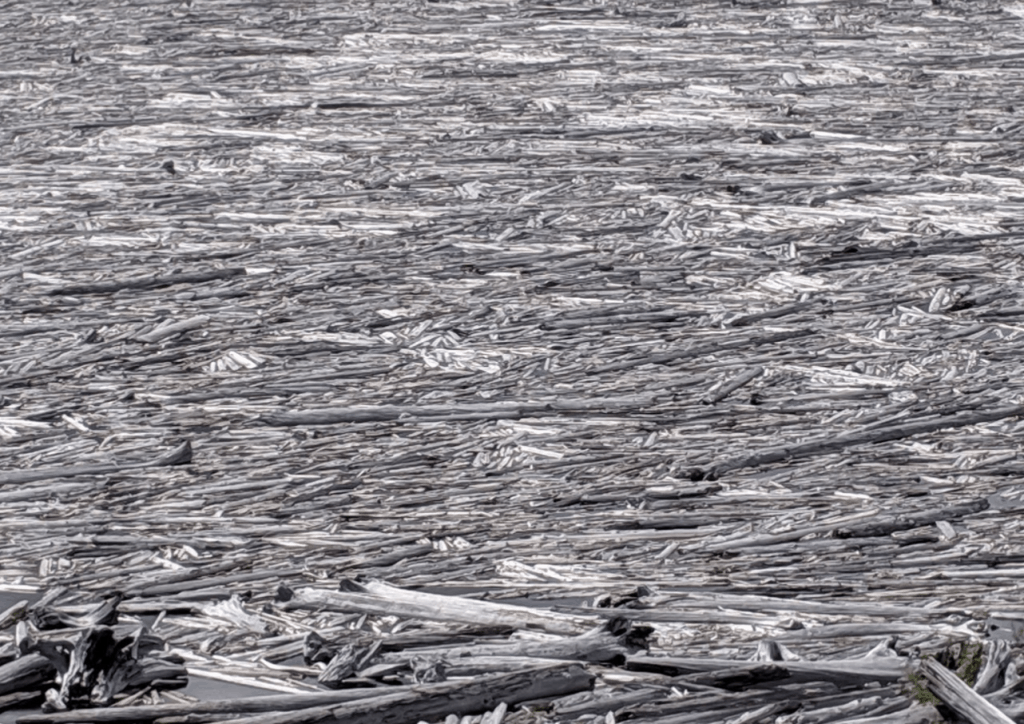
x=710, y=313
x=80, y=661
x=374, y=652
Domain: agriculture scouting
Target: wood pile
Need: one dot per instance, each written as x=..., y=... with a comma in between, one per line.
x=486, y=360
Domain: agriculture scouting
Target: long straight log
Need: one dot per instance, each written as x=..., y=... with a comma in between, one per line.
x=872, y=669
x=703, y=350
x=435, y=701
x=27, y=672
x=149, y=282
x=825, y=445
x=885, y=525
x=181, y=455
x=459, y=411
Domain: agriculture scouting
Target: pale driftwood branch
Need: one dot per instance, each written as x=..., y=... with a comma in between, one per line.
x=701, y=351
x=997, y=655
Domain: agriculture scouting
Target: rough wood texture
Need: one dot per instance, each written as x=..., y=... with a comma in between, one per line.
x=704, y=316
x=435, y=701
x=376, y=597
x=960, y=697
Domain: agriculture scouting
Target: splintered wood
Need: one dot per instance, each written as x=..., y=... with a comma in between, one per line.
x=511, y=361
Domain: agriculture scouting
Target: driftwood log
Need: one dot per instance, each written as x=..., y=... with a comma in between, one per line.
x=379, y=598
x=434, y=701
x=959, y=697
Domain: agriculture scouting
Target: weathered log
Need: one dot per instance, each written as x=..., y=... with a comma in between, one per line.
x=13, y=614
x=25, y=673
x=207, y=710
x=20, y=699
x=148, y=282
x=379, y=598
x=825, y=445
x=181, y=455
x=737, y=678
x=886, y=525
x=606, y=643
x=997, y=655
x=104, y=613
x=433, y=701
x=102, y=663
x=347, y=659
x=728, y=388
x=172, y=328
x=843, y=670
x=462, y=411
x=958, y=696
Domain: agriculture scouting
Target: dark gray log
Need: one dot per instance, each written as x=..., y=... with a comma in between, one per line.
x=461, y=411
x=823, y=446
x=25, y=673
x=839, y=670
